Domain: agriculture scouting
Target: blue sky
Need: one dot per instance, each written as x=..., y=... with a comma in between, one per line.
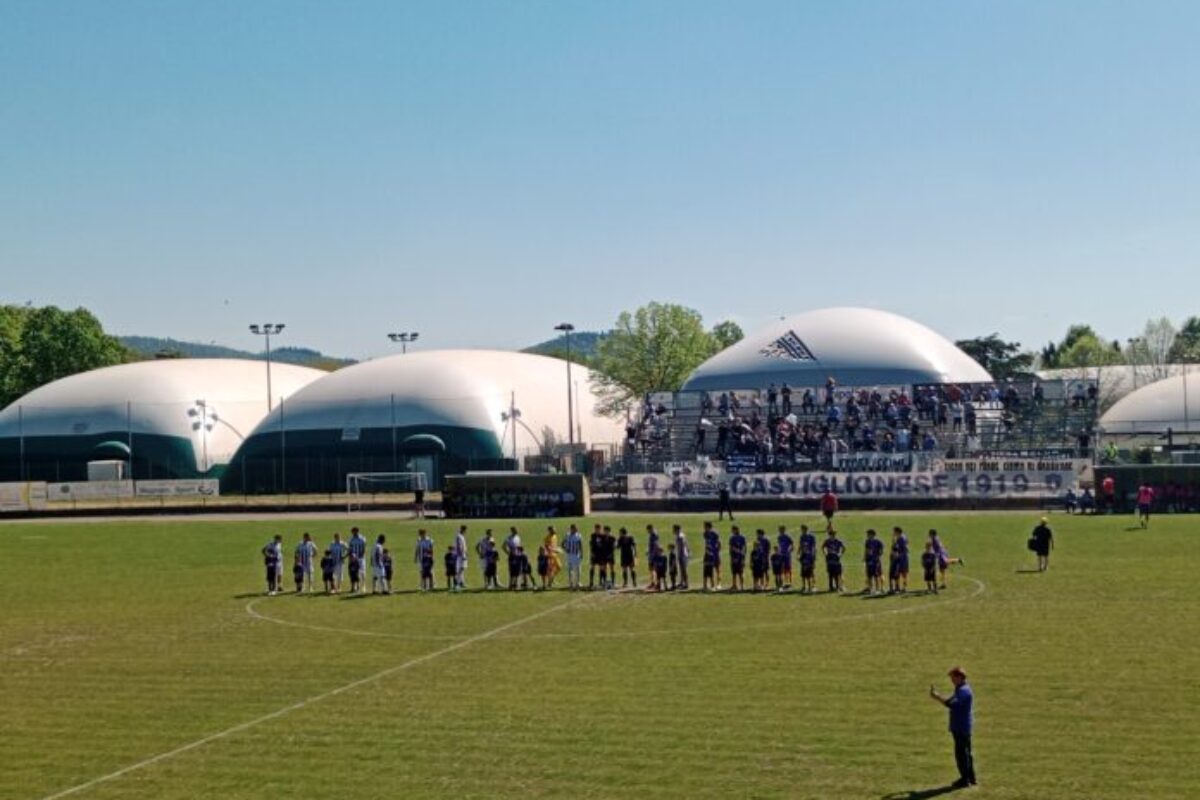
x=482, y=171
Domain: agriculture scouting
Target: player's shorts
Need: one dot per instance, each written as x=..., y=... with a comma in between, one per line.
x=272, y=571
x=574, y=562
x=460, y=564
x=627, y=561
x=708, y=570
x=930, y=575
x=426, y=567
x=787, y=563
x=738, y=565
x=874, y=569
x=1144, y=509
x=806, y=568
x=833, y=567
x=899, y=566
x=828, y=514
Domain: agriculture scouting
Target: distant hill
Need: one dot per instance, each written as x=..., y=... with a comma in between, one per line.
x=583, y=346
x=152, y=346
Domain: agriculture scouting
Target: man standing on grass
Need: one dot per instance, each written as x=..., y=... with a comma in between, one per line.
x=379, y=580
x=423, y=556
x=273, y=560
x=512, y=549
x=573, y=545
x=337, y=552
x=1145, y=501
x=683, y=554
x=962, y=720
x=358, y=549
x=306, y=551
x=596, y=557
x=1042, y=542
x=460, y=558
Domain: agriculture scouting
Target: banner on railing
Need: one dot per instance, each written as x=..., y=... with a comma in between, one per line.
x=22, y=496
x=89, y=490
x=1043, y=481
x=873, y=462
x=199, y=487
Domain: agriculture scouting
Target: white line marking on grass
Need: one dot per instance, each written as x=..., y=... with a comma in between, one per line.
x=252, y=611
x=412, y=662
x=598, y=599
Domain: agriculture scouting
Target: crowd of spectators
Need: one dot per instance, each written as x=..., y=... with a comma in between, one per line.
x=783, y=426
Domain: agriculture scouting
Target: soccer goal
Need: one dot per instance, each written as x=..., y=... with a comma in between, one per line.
x=360, y=485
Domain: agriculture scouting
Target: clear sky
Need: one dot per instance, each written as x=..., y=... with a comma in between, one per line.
x=482, y=171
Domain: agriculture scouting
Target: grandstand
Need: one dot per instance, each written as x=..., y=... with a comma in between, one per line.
x=885, y=429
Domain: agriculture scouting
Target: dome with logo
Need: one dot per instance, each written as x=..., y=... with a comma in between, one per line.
x=855, y=346
x=1169, y=404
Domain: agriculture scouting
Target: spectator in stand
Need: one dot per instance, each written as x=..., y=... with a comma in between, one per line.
x=772, y=400
x=929, y=442
x=830, y=391
x=808, y=403
x=1087, y=502
x=1070, y=501
x=785, y=393
x=1093, y=395
x=1039, y=394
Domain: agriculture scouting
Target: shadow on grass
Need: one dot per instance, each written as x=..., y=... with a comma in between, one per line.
x=1027, y=571
x=922, y=794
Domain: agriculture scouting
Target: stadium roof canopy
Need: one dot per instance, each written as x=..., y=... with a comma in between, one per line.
x=210, y=402
x=856, y=346
x=459, y=389
x=1156, y=407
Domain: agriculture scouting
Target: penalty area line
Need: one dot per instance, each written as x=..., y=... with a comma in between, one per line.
x=349, y=687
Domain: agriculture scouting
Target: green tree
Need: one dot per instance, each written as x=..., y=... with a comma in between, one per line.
x=1088, y=351
x=652, y=349
x=1000, y=358
x=53, y=344
x=12, y=322
x=1186, y=347
x=727, y=333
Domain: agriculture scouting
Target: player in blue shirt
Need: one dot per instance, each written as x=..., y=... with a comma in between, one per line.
x=777, y=569
x=873, y=558
x=898, y=566
x=785, y=543
x=737, y=560
x=929, y=564
x=808, y=560
x=450, y=565
x=833, y=549
x=758, y=569
x=712, y=557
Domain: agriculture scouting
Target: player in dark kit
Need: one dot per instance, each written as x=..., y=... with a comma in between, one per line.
x=672, y=565
x=450, y=562
x=757, y=568
x=712, y=557
x=596, y=557
x=628, y=549
x=610, y=558
x=929, y=563
x=777, y=569
x=737, y=560
x=785, y=544
x=808, y=560
x=833, y=548
x=873, y=558
x=898, y=566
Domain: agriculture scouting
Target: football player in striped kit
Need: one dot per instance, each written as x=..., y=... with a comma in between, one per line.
x=379, y=580
x=358, y=549
x=573, y=546
x=306, y=551
x=338, y=552
x=424, y=559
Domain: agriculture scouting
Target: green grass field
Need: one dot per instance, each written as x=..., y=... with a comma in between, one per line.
x=120, y=642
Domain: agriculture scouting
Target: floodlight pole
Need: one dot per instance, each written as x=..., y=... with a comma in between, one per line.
x=267, y=329
x=566, y=328
x=404, y=339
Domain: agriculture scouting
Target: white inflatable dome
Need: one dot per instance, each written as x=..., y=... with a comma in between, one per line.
x=211, y=402
x=1156, y=407
x=465, y=389
x=855, y=346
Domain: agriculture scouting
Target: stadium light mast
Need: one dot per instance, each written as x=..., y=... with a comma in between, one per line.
x=404, y=339
x=268, y=329
x=566, y=329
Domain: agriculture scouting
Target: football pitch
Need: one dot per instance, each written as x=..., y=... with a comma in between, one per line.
x=141, y=659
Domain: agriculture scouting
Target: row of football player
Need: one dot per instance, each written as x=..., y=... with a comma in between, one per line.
x=771, y=563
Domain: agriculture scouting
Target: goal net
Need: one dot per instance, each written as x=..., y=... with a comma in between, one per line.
x=362, y=486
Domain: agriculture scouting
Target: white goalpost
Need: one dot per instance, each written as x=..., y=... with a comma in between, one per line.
x=371, y=484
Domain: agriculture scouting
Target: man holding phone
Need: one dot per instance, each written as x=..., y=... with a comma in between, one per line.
x=962, y=718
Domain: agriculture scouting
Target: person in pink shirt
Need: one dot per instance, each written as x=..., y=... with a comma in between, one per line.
x=1145, y=499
